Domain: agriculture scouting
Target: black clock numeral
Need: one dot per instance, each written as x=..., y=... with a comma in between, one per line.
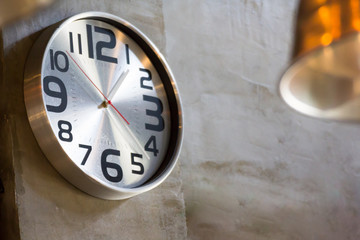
x=150, y=146
x=65, y=131
x=127, y=53
x=79, y=41
x=88, y=151
x=60, y=93
x=147, y=78
x=139, y=164
x=116, y=171
x=55, y=61
x=155, y=113
x=79, y=44
x=100, y=45
x=90, y=41
x=112, y=171
x=72, y=43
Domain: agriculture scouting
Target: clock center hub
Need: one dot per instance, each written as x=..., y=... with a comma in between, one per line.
x=104, y=104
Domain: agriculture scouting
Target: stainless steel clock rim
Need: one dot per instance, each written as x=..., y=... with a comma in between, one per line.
x=41, y=126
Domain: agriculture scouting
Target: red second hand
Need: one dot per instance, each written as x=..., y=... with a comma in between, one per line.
x=107, y=100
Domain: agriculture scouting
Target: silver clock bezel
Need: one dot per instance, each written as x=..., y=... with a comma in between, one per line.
x=43, y=132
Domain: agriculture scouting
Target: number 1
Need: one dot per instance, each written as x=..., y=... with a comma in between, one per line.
x=127, y=53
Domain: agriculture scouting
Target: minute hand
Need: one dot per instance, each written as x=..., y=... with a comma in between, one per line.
x=114, y=90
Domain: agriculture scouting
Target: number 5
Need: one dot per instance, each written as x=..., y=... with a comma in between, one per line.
x=133, y=162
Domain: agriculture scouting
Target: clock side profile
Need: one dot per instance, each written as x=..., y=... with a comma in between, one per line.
x=103, y=105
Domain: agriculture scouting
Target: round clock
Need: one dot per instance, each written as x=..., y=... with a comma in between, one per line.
x=103, y=105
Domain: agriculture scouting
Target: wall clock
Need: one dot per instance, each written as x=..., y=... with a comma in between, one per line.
x=103, y=105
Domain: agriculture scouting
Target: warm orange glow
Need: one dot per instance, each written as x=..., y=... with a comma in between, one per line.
x=335, y=22
x=355, y=6
x=326, y=39
x=356, y=24
x=331, y=25
x=320, y=2
x=320, y=22
x=324, y=13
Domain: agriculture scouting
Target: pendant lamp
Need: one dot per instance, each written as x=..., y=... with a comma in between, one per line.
x=324, y=78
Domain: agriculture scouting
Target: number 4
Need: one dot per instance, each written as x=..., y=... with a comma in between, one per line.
x=150, y=146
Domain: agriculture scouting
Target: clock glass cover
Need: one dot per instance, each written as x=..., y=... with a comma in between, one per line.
x=105, y=108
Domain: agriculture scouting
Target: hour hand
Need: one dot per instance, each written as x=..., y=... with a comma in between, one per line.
x=117, y=85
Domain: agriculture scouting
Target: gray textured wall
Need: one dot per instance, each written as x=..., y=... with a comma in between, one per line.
x=251, y=168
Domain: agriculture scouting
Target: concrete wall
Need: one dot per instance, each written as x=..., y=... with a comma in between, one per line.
x=250, y=168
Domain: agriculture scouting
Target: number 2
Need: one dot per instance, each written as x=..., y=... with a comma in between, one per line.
x=147, y=78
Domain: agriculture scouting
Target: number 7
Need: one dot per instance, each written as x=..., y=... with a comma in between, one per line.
x=89, y=148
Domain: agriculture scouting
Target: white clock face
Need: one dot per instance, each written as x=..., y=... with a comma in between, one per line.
x=106, y=103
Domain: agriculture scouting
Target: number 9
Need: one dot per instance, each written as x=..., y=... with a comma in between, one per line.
x=61, y=94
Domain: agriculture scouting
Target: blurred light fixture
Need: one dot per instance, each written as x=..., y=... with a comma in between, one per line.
x=324, y=79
